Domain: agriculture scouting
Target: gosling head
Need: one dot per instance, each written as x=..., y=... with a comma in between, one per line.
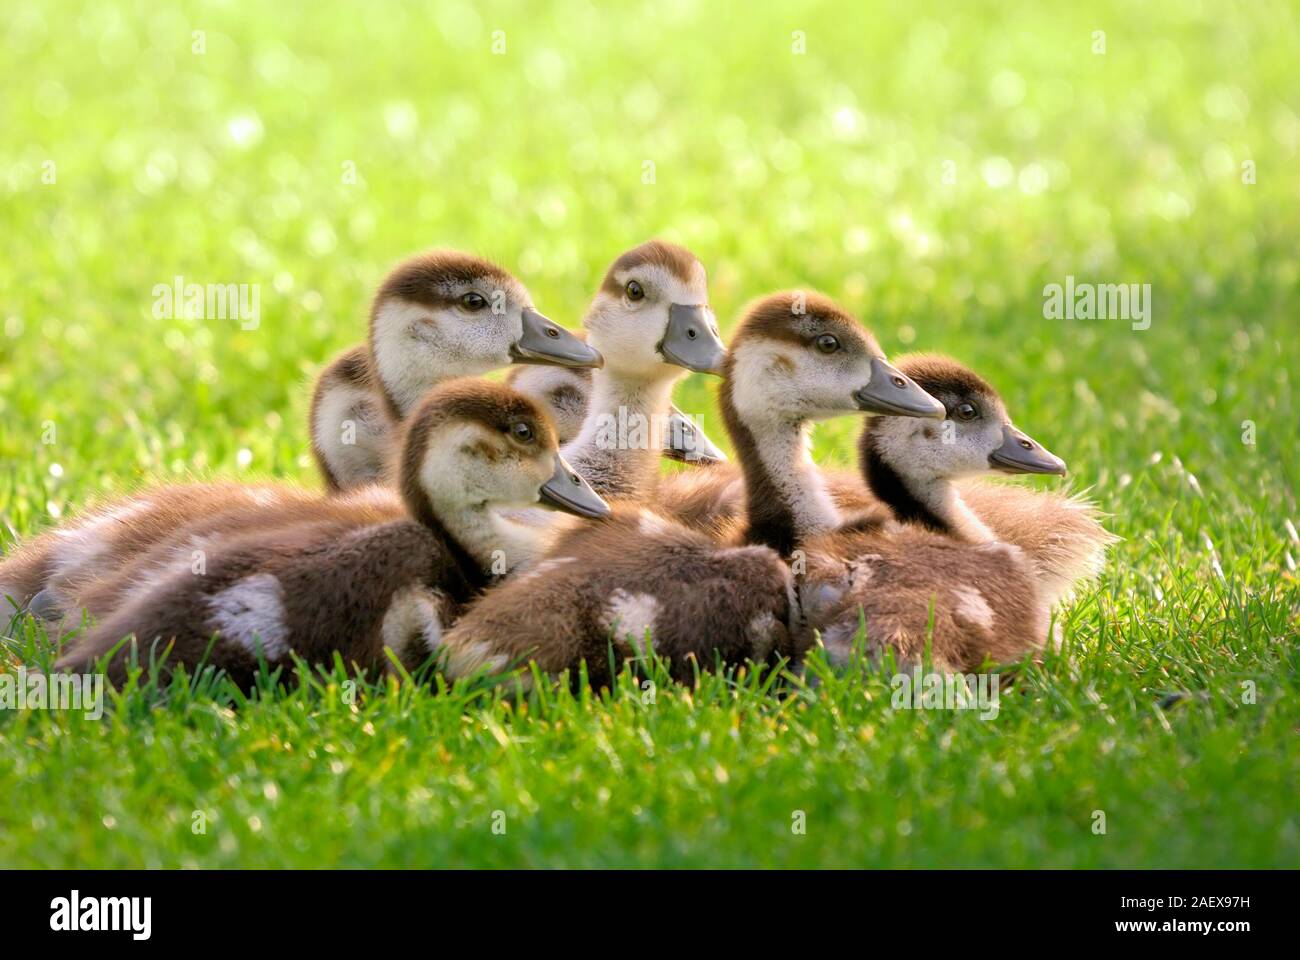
x=800, y=356
x=651, y=317
x=976, y=436
x=562, y=392
x=445, y=314
x=472, y=444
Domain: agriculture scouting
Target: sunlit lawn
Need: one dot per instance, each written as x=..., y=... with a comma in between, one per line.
x=933, y=168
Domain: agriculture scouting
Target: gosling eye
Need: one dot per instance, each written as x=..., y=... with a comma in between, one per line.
x=634, y=291
x=966, y=411
x=521, y=431
x=827, y=343
x=473, y=302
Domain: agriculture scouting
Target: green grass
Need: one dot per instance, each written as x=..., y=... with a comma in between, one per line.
x=823, y=170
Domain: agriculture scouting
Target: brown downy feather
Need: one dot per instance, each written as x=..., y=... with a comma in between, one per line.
x=676, y=260
x=23, y=574
x=86, y=565
x=138, y=564
x=318, y=589
x=65, y=561
x=614, y=591
x=70, y=559
x=606, y=590
x=1062, y=534
x=987, y=560
x=316, y=578
x=702, y=500
x=910, y=587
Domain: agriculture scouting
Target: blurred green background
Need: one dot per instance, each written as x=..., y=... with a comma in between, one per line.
x=932, y=166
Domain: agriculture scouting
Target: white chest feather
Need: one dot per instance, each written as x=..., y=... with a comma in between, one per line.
x=630, y=618
x=251, y=615
x=413, y=624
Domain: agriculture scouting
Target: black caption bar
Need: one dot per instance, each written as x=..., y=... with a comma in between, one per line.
x=339, y=908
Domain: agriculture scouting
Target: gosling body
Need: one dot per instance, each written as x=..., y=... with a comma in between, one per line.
x=328, y=583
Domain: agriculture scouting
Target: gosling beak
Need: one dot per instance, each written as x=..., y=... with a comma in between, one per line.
x=46, y=606
x=568, y=492
x=690, y=341
x=891, y=393
x=544, y=341
x=688, y=443
x=1020, y=453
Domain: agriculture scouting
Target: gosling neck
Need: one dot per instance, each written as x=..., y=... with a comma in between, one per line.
x=493, y=542
x=617, y=450
x=483, y=542
x=933, y=502
x=786, y=498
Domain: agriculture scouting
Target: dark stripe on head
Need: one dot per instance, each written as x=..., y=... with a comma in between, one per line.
x=491, y=405
x=678, y=261
x=431, y=279
x=568, y=397
x=947, y=381
x=353, y=367
x=793, y=317
x=796, y=316
x=420, y=278
x=942, y=376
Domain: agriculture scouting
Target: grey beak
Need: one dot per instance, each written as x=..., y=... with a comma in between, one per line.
x=543, y=341
x=1021, y=453
x=46, y=606
x=892, y=394
x=568, y=492
x=688, y=443
x=690, y=340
